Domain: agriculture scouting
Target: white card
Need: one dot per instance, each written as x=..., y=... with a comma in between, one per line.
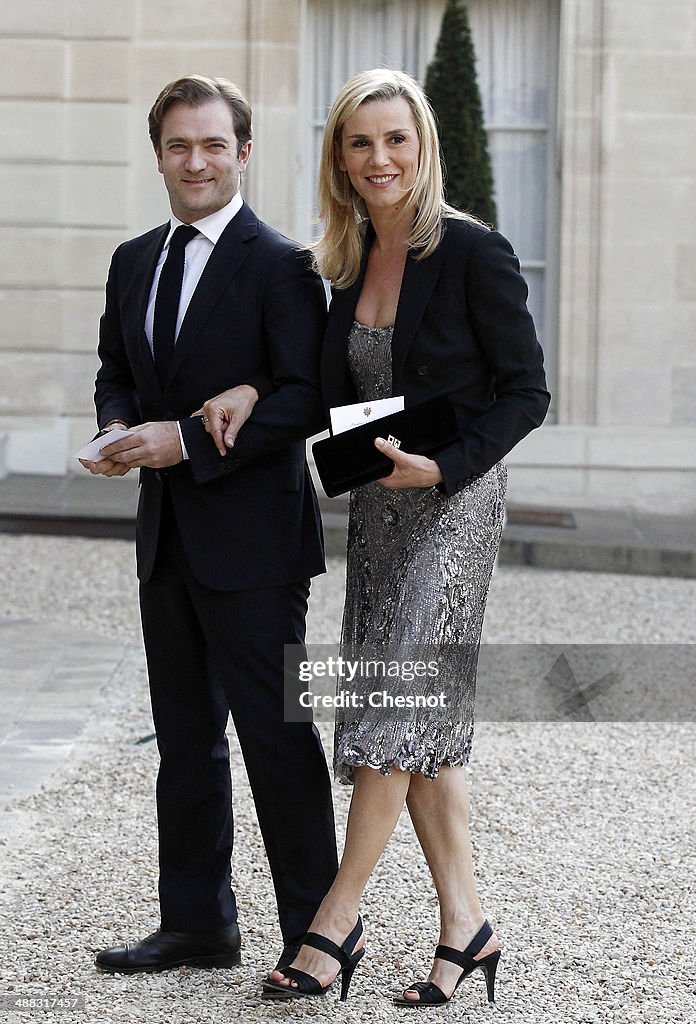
x=92, y=451
x=345, y=417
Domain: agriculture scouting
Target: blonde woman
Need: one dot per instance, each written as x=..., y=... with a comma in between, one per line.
x=427, y=301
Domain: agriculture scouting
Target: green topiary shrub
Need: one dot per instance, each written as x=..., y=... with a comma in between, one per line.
x=452, y=88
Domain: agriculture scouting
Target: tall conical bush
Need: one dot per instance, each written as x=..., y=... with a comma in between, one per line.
x=452, y=87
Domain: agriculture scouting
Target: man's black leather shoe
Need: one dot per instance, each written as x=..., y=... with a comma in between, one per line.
x=163, y=950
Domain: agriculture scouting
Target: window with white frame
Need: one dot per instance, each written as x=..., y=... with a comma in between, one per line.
x=342, y=37
x=516, y=44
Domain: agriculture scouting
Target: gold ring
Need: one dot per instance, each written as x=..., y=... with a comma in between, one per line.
x=204, y=418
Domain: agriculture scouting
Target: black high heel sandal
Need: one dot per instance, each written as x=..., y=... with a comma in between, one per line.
x=432, y=995
x=309, y=986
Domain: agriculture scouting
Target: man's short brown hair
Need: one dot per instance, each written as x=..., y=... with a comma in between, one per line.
x=195, y=90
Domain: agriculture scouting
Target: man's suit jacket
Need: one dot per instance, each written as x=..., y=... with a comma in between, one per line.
x=462, y=329
x=249, y=519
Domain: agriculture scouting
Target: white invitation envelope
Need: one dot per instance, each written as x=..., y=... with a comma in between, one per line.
x=345, y=417
x=92, y=451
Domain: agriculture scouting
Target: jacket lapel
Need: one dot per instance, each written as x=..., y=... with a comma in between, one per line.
x=143, y=273
x=417, y=286
x=334, y=358
x=227, y=256
x=337, y=385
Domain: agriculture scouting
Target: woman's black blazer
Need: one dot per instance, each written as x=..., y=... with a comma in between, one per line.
x=462, y=329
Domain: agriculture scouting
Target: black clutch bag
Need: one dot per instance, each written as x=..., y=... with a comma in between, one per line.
x=349, y=459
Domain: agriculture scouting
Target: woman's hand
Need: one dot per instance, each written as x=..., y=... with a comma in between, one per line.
x=224, y=415
x=409, y=470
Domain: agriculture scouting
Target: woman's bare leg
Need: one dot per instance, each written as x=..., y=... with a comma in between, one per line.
x=439, y=809
x=375, y=807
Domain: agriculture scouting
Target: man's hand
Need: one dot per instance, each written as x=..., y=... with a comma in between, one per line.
x=224, y=415
x=409, y=470
x=155, y=445
x=107, y=467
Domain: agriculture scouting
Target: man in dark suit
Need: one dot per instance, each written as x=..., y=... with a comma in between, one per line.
x=228, y=535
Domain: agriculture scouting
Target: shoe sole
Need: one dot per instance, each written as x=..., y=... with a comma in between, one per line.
x=418, y=1002
x=292, y=993
x=218, y=960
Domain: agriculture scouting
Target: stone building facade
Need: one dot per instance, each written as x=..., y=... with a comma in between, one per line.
x=618, y=267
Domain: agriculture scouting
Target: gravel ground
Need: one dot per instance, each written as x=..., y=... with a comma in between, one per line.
x=582, y=830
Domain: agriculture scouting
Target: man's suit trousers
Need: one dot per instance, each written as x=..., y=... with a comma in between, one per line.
x=212, y=652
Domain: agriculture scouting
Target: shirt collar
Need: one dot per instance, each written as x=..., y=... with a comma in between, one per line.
x=213, y=225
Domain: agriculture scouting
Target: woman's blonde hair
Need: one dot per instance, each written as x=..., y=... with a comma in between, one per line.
x=344, y=215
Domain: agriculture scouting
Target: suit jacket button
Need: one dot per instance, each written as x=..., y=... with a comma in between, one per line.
x=422, y=370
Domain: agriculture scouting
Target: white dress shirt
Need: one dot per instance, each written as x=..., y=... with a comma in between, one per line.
x=196, y=256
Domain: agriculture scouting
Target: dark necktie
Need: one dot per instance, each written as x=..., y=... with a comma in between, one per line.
x=167, y=300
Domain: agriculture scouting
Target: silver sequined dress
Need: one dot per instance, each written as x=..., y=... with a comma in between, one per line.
x=419, y=566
